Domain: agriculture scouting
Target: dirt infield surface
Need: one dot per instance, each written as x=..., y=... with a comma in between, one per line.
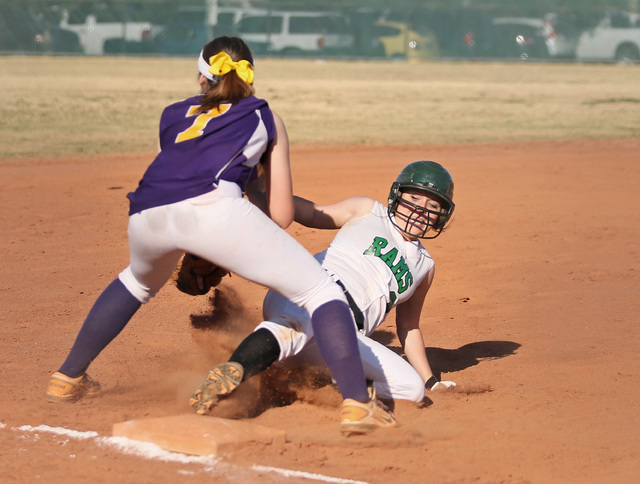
x=534, y=312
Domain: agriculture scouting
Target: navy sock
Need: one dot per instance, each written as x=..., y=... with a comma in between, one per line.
x=110, y=314
x=335, y=334
x=256, y=353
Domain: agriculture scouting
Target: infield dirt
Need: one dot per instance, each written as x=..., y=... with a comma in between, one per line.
x=533, y=312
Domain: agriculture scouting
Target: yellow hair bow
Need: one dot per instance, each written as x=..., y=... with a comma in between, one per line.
x=221, y=64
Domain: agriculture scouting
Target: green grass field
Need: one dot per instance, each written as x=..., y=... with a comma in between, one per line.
x=82, y=106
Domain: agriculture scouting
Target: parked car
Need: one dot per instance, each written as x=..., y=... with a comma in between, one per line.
x=615, y=37
x=567, y=28
x=460, y=32
x=291, y=33
x=397, y=40
x=189, y=29
x=21, y=31
x=95, y=24
x=221, y=20
x=524, y=38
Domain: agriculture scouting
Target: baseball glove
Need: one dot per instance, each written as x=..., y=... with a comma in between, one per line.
x=196, y=276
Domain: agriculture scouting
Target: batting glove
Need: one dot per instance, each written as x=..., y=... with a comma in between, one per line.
x=434, y=385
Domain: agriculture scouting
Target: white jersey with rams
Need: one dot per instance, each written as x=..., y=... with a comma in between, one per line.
x=377, y=266
x=379, y=269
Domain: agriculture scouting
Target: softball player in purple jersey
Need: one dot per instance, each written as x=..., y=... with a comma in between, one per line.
x=190, y=199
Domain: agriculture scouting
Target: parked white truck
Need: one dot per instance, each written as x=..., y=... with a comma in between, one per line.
x=615, y=38
x=103, y=22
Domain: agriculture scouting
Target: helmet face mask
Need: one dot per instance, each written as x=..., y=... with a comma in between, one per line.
x=415, y=220
x=431, y=180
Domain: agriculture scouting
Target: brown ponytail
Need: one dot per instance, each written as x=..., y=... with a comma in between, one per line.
x=228, y=88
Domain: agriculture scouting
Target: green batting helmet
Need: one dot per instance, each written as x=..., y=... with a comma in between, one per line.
x=432, y=178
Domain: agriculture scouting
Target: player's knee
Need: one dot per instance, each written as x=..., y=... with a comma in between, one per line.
x=408, y=389
x=141, y=292
x=291, y=340
x=323, y=292
x=416, y=393
x=414, y=388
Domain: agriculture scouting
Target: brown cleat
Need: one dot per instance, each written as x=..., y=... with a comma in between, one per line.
x=64, y=389
x=220, y=382
x=362, y=418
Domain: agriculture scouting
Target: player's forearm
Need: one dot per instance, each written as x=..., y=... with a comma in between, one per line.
x=304, y=211
x=309, y=214
x=283, y=212
x=416, y=354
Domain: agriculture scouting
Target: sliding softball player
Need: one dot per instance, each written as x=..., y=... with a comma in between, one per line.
x=379, y=261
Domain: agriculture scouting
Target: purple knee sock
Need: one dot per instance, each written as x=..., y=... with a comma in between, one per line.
x=110, y=314
x=335, y=334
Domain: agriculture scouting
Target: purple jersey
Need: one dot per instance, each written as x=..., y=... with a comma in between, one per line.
x=200, y=149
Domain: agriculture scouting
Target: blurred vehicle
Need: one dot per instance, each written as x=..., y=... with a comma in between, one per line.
x=189, y=29
x=524, y=38
x=221, y=20
x=615, y=37
x=21, y=31
x=291, y=33
x=460, y=32
x=397, y=40
x=97, y=23
x=180, y=38
x=567, y=28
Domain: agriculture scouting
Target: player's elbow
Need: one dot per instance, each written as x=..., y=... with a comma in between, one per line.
x=283, y=218
x=281, y=211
